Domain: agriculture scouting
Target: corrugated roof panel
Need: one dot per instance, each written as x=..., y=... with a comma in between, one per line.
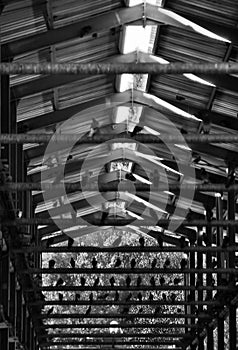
x=34, y=106
x=177, y=44
x=21, y=19
x=226, y=103
x=89, y=50
x=85, y=90
x=169, y=86
x=67, y=12
x=216, y=11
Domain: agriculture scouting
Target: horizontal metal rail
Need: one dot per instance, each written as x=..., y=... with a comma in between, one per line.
x=89, y=271
x=98, y=139
x=117, y=68
x=165, y=287
x=125, y=249
x=113, y=335
x=121, y=325
x=115, y=315
x=38, y=186
x=119, y=222
x=123, y=302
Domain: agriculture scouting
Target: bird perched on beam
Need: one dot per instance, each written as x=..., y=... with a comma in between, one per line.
x=142, y=242
x=153, y=264
x=184, y=262
x=51, y=263
x=133, y=263
x=139, y=296
x=117, y=296
x=82, y=281
x=118, y=262
x=136, y=130
x=88, y=311
x=60, y=282
x=94, y=127
x=152, y=281
x=50, y=311
x=61, y=296
x=96, y=282
x=72, y=263
x=94, y=263
x=70, y=242
x=138, y=281
x=112, y=281
x=128, y=281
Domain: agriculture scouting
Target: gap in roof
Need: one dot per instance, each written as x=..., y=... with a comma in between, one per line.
x=132, y=3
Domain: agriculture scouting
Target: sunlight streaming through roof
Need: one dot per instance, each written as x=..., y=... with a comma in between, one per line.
x=132, y=3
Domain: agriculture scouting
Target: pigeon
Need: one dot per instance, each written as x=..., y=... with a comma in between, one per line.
x=82, y=281
x=88, y=310
x=125, y=310
x=60, y=282
x=142, y=242
x=172, y=297
x=177, y=281
x=94, y=263
x=151, y=297
x=51, y=263
x=112, y=281
x=133, y=263
x=153, y=264
x=129, y=296
x=204, y=176
x=136, y=130
x=166, y=263
x=70, y=242
x=225, y=242
x=183, y=263
x=128, y=281
x=139, y=296
x=118, y=262
x=91, y=297
x=130, y=176
x=77, y=297
x=61, y=296
x=49, y=242
x=164, y=296
x=138, y=281
x=93, y=127
x=162, y=281
x=104, y=216
x=50, y=311
x=152, y=281
x=117, y=296
x=160, y=242
x=96, y=282
x=72, y=263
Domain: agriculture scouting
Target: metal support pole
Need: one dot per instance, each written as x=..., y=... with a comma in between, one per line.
x=4, y=298
x=13, y=309
x=114, y=222
x=210, y=340
x=200, y=283
x=117, y=68
x=38, y=186
x=70, y=139
x=231, y=262
x=220, y=264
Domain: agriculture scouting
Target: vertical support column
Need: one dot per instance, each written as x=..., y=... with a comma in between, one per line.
x=192, y=283
x=13, y=303
x=210, y=340
x=200, y=282
x=220, y=264
x=19, y=314
x=231, y=260
x=4, y=298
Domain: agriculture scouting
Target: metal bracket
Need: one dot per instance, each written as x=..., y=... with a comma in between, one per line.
x=144, y=14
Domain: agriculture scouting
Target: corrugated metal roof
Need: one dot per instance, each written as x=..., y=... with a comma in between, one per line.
x=216, y=11
x=22, y=18
x=178, y=44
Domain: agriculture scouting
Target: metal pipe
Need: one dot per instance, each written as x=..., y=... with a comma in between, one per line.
x=119, y=222
x=97, y=139
x=122, y=325
x=117, y=68
x=122, y=249
x=123, y=271
x=112, y=302
x=38, y=186
x=124, y=288
x=115, y=316
x=108, y=335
